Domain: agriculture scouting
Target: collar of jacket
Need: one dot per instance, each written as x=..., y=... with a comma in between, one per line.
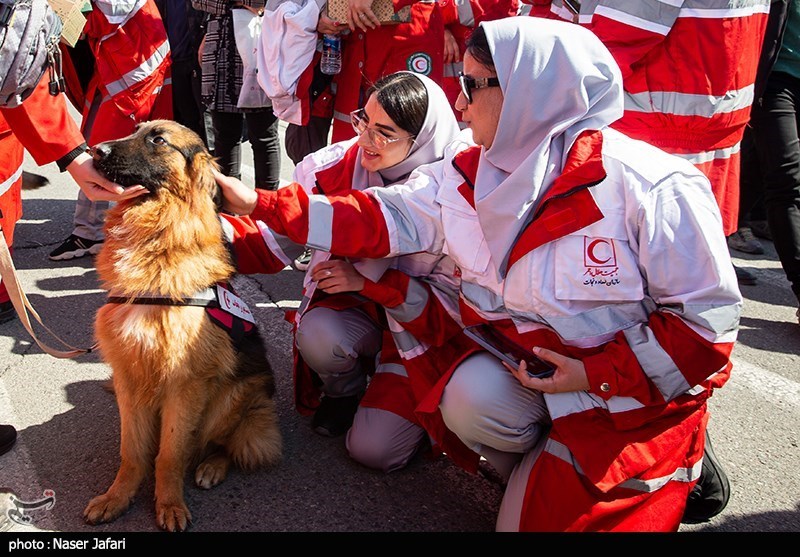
x=338, y=178
x=567, y=205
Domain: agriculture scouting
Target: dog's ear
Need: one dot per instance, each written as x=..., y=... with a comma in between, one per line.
x=216, y=191
x=202, y=166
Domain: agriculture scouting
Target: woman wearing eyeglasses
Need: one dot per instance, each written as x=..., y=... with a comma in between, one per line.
x=339, y=328
x=603, y=255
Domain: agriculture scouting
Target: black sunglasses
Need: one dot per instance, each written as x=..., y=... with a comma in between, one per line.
x=470, y=83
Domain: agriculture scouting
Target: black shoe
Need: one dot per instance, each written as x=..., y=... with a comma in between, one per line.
x=744, y=276
x=713, y=490
x=334, y=415
x=7, y=312
x=74, y=247
x=761, y=229
x=8, y=436
x=743, y=240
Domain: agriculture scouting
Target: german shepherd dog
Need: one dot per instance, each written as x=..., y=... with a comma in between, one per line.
x=187, y=393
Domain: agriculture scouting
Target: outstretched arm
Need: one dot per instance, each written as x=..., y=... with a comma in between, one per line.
x=45, y=128
x=374, y=223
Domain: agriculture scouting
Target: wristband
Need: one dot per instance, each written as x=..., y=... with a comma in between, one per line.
x=65, y=161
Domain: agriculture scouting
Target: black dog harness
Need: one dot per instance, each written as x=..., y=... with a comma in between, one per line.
x=222, y=305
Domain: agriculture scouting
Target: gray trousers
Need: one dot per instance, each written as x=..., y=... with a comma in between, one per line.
x=334, y=343
x=89, y=218
x=87, y=222
x=492, y=413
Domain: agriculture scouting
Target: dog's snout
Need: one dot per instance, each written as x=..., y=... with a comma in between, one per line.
x=101, y=151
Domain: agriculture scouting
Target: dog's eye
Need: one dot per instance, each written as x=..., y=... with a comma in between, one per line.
x=158, y=140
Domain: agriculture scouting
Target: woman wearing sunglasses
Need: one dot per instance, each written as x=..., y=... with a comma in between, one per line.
x=339, y=328
x=603, y=255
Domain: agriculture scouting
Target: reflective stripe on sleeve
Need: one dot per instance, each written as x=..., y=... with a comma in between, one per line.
x=320, y=222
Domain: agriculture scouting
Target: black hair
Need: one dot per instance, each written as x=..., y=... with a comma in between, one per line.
x=404, y=98
x=478, y=47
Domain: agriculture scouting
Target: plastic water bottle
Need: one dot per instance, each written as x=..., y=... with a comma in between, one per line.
x=331, y=62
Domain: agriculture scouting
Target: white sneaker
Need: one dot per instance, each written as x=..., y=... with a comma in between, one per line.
x=302, y=262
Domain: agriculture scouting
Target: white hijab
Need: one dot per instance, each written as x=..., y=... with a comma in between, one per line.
x=438, y=129
x=558, y=80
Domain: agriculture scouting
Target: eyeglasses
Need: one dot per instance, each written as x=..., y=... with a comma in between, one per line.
x=359, y=120
x=470, y=83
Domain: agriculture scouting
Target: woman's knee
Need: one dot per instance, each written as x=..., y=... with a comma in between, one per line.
x=471, y=392
x=382, y=440
x=484, y=405
x=322, y=345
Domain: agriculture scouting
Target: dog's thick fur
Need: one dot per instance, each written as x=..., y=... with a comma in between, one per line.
x=185, y=393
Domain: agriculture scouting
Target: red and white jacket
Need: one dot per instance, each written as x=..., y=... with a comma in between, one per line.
x=132, y=74
x=623, y=265
x=549, y=9
x=416, y=46
x=689, y=69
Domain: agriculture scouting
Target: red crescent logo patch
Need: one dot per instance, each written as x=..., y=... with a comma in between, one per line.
x=599, y=252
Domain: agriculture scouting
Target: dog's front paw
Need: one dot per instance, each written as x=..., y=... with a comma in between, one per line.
x=173, y=517
x=105, y=508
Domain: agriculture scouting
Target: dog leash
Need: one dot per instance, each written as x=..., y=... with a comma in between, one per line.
x=22, y=305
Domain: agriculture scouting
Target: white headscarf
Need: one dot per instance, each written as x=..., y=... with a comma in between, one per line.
x=558, y=80
x=438, y=129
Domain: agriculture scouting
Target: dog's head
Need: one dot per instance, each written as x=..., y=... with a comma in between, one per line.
x=160, y=154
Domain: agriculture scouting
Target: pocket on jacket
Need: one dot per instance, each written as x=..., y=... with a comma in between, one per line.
x=596, y=268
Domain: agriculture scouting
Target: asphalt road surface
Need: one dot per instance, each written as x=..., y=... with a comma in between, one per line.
x=68, y=447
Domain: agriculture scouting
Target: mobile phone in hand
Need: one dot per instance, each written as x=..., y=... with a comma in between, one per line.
x=508, y=350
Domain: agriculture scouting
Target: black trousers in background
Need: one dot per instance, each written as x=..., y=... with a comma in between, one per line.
x=751, y=182
x=262, y=133
x=775, y=124
x=186, y=104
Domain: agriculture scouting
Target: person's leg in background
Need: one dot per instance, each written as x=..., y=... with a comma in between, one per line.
x=185, y=106
x=262, y=132
x=208, y=125
x=750, y=192
x=775, y=128
x=758, y=219
x=87, y=234
x=227, y=128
